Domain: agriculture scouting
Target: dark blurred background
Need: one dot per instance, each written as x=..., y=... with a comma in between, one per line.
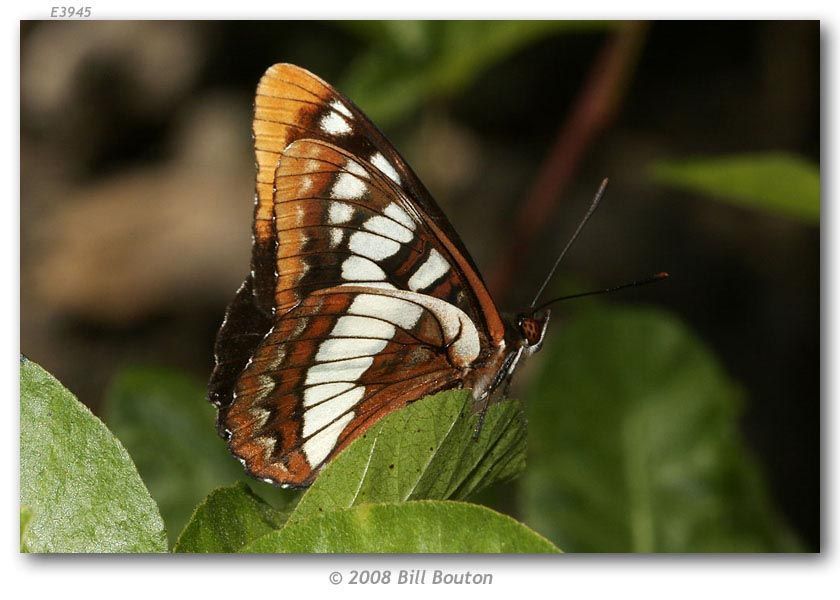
x=137, y=184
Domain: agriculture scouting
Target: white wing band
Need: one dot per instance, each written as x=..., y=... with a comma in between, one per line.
x=459, y=331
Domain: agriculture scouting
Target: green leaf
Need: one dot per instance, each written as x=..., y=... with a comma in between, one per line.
x=25, y=519
x=774, y=182
x=228, y=519
x=413, y=527
x=409, y=62
x=79, y=483
x=168, y=427
x=635, y=444
x=426, y=450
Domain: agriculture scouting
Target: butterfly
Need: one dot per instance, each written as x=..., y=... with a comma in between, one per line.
x=361, y=296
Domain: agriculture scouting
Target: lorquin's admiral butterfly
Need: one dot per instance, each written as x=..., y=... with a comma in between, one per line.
x=361, y=296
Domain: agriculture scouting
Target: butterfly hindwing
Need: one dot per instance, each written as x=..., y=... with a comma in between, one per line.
x=241, y=332
x=335, y=364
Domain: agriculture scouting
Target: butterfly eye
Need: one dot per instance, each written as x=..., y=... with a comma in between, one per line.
x=532, y=330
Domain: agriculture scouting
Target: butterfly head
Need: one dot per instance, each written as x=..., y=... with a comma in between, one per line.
x=532, y=327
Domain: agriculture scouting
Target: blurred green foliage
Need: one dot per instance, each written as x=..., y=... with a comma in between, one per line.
x=78, y=486
x=168, y=427
x=773, y=182
x=634, y=444
x=408, y=63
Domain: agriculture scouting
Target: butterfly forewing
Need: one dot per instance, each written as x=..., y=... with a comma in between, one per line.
x=340, y=221
x=292, y=104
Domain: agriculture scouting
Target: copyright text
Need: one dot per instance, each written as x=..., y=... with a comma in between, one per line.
x=411, y=577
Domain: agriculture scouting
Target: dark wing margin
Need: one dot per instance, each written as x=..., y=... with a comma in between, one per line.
x=242, y=330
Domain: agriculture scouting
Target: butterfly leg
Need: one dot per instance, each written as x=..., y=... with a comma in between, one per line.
x=484, y=402
x=502, y=378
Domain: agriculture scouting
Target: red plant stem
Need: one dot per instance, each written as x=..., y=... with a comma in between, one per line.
x=593, y=111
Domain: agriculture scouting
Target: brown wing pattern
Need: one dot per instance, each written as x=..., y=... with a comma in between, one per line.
x=329, y=368
x=361, y=296
x=340, y=221
x=292, y=104
x=241, y=332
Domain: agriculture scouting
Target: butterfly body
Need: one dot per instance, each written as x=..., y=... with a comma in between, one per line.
x=361, y=297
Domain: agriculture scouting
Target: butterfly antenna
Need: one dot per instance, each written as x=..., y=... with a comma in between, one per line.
x=651, y=279
x=595, y=201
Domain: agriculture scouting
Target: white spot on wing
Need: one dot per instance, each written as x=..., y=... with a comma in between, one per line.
x=266, y=386
x=278, y=357
x=305, y=183
x=340, y=107
x=405, y=308
x=398, y=214
x=381, y=163
x=354, y=326
x=318, y=393
x=301, y=324
x=304, y=269
x=356, y=268
x=340, y=213
x=319, y=416
x=388, y=228
x=336, y=235
x=319, y=446
x=334, y=124
x=344, y=348
x=348, y=187
x=373, y=246
x=345, y=370
x=434, y=267
x=268, y=444
x=261, y=415
x=355, y=168
x=459, y=331
x=394, y=310
x=384, y=285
